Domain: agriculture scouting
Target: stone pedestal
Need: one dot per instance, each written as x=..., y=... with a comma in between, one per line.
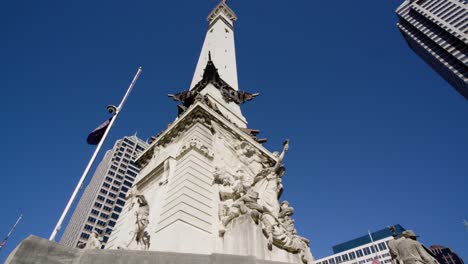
x=244, y=237
x=35, y=250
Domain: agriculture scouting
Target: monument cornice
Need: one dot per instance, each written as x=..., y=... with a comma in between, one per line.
x=199, y=110
x=222, y=8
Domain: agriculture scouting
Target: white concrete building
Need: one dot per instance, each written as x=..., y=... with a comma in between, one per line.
x=363, y=250
x=207, y=185
x=103, y=199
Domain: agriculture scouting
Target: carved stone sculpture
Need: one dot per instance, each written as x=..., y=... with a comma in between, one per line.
x=268, y=184
x=409, y=251
x=285, y=234
x=94, y=241
x=141, y=237
x=244, y=205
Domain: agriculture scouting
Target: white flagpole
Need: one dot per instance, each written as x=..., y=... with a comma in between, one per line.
x=88, y=167
x=14, y=226
x=373, y=245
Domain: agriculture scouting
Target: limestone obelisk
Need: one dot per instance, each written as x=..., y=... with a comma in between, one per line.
x=207, y=184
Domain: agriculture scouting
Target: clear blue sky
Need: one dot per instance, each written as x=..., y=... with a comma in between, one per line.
x=377, y=137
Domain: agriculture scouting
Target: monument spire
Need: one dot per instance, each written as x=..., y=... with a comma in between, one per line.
x=219, y=41
x=215, y=76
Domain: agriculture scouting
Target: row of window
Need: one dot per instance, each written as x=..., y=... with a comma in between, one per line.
x=355, y=254
x=128, y=142
x=105, y=208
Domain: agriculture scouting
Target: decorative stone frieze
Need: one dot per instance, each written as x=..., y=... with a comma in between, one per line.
x=196, y=144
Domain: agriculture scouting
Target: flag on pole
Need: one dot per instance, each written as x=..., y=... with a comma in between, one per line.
x=376, y=260
x=95, y=137
x=3, y=243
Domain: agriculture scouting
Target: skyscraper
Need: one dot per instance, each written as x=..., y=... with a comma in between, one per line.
x=104, y=197
x=437, y=30
x=445, y=255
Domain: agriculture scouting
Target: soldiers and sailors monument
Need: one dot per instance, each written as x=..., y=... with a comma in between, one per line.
x=207, y=187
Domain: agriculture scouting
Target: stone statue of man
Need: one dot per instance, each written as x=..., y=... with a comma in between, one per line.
x=410, y=251
x=94, y=241
x=268, y=184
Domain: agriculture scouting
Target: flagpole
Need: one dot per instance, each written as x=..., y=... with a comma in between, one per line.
x=11, y=230
x=91, y=161
x=373, y=245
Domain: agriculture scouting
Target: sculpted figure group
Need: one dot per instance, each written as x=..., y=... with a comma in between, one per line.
x=259, y=199
x=140, y=235
x=407, y=250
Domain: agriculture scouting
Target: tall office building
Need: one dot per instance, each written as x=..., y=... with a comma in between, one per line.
x=437, y=31
x=445, y=255
x=104, y=197
x=363, y=249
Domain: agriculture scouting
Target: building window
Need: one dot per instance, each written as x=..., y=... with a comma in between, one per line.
x=359, y=253
x=131, y=173
x=91, y=219
x=345, y=257
x=382, y=246
x=122, y=195
x=88, y=227
x=338, y=259
x=114, y=216
x=115, y=189
x=94, y=212
x=117, y=209
x=110, y=202
x=107, y=208
x=128, y=184
x=98, y=205
x=103, y=215
x=84, y=236
x=101, y=223
x=120, y=202
x=106, y=185
x=138, y=148
x=112, y=195
x=100, y=198
x=366, y=251
x=332, y=261
x=352, y=255
x=111, y=223
x=129, y=142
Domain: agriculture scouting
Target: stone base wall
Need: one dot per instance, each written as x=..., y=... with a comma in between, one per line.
x=244, y=237
x=39, y=250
